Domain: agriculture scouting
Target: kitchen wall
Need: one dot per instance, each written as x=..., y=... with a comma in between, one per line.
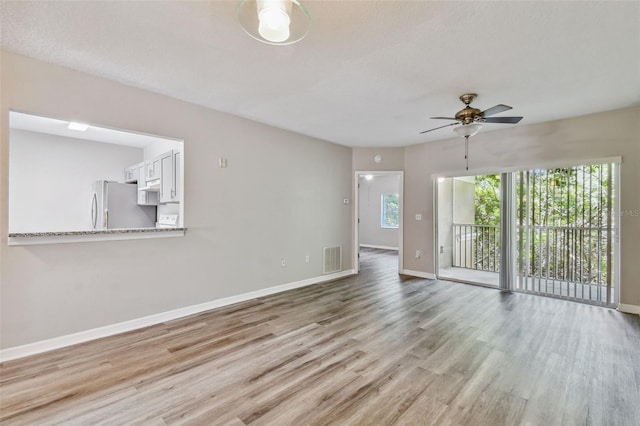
x=51, y=179
x=280, y=197
x=370, y=204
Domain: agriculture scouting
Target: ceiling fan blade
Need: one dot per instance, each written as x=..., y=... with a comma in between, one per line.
x=507, y=120
x=436, y=128
x=494, y=110
x=443, y=118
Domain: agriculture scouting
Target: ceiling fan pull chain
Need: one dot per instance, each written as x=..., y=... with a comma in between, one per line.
x=466, y=150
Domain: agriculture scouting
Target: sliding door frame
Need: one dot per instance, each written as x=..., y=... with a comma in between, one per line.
x=508, y=284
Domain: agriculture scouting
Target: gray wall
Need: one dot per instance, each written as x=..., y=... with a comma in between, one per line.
x=280, y=197
x=370, y=193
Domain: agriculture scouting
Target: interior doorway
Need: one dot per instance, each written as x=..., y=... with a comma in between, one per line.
x=378, y=213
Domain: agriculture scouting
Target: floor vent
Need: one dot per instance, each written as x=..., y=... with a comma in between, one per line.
x=332, y=260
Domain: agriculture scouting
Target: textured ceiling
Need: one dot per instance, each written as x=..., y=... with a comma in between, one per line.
x=370, y=73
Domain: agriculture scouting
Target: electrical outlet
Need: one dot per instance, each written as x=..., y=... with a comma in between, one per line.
x=306, y=259
x=441, y=249
x=418, y=254
x=284, y=262
x=418, y=216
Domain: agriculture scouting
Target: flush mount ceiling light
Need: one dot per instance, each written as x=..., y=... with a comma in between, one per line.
x=278, y=22
x=81, y=127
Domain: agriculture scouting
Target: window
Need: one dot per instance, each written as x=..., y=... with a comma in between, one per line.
x=390, y=211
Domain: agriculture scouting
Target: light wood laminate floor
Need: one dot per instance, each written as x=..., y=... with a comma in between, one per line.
x=374, y=349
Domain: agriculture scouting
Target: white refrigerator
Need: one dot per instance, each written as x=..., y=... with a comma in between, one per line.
x=115, y=206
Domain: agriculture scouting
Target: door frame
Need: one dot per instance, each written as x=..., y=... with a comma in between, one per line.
x=436, y=243
x=356, y=215
x=573, y=162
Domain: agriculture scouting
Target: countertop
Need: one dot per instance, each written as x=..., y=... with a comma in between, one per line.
x=94, y=232
x=57, y=237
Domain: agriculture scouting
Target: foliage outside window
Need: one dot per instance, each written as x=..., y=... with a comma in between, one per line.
x=390, y=212
x=564, y=222
x=487, y=200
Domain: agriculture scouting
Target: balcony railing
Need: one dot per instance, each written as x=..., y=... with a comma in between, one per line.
x=559, y=253
x=476, y=247
x=565, y=253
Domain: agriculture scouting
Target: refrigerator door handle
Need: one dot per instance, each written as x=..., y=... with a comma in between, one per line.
x=94, y=210
x=106, y=219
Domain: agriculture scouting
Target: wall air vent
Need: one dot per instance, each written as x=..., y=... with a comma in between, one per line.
x=332, y=260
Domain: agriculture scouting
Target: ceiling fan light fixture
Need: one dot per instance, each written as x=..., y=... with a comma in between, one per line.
x=277, y=22
x=467, y=130
x=274, y=20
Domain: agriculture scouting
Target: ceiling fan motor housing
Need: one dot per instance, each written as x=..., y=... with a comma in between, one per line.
x=468, y=115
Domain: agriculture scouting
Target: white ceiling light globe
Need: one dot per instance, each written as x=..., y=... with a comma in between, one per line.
x=274, y=24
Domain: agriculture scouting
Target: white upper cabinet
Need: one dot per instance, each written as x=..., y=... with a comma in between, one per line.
x=145, y=198
x=170, y=177
x=152, y=169
x=159, y=179
x=131, y=174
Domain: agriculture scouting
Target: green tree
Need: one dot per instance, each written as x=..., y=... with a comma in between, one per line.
x=487, y=200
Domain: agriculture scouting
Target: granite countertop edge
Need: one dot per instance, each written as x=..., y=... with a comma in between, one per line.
x=95, y=232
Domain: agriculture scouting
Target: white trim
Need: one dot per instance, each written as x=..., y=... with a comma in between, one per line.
x=629, y=309
x=617, y=288
x=418, y=274
x=121, y=327
x=84, y=238
x=378, y=247
x=434, y=225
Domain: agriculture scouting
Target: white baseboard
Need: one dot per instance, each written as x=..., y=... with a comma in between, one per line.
x=379, y=247
x=110, y=330
x=629, y=309
x=418, y=274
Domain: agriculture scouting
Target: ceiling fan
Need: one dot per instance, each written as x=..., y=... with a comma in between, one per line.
x=469, y=120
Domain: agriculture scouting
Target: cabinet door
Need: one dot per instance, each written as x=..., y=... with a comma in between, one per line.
x=152, y=169
x=166, y=179
x=177, y=183
x=142, y=181
x=131, y=174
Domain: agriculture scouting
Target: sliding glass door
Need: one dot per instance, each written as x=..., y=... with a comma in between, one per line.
x=566, y=232
x=469, y=229
x=544, y=231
